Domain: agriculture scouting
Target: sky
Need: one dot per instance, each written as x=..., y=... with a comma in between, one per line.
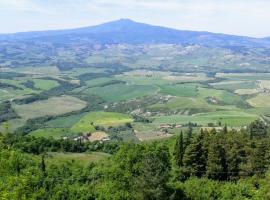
x=238, y=17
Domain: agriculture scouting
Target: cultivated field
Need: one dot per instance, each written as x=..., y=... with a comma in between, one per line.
x=52, y=106
x=145, y=98
x=87, y=123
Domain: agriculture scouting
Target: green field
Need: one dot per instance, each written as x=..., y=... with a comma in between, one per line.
x=245, y=76
x=233, y=85
x=121, y=92
x=232, y=118
x=163, y=96
x=57, y=133
x=64, y=122
x=86, y=123
x=221, y=95
x=80, y=158
x=52, y=106
x=180, y=90
x=43, y=84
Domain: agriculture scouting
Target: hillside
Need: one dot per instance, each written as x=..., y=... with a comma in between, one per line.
x=131, y=32
x=124, y=45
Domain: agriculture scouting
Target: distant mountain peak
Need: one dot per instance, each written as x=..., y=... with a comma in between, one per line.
x=127, y=31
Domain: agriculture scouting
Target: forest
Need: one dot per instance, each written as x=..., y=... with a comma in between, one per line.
x=224, y=164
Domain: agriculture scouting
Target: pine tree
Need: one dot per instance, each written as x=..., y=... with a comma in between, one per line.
x=189, y=134
x=216, y=160
x=179, y=150
x=260, y=157
x=194, y=161
x=257, y=129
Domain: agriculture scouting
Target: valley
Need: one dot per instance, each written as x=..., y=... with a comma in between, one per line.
x=127, y=110
x=72, y=102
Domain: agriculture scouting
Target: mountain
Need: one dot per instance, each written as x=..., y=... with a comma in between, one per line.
x=131, y=32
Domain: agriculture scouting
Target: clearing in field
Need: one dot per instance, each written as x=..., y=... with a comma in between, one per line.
x=152, y=135
x=86, y=124
x=43, y=84
x=80, y=158
x=53, y=106
x=56, y=133
x=96, y=136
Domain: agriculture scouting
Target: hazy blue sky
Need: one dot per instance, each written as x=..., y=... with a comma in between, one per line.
x=241, y=17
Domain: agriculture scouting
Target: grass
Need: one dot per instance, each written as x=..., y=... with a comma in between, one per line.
x=233, y=85
x=8, y=94
x=102, y=119
x=181, y=90
x=64, y=122
x=230, y=118
x=188, y=77
x=53, y=106
x=43, y=84
x=56, y=133
x=98, y=81
x=121, y=92
x=222, y=95
x=41, y=71
x=143, y=80
x=245, y=76
x=246, y=91
x=80, y=158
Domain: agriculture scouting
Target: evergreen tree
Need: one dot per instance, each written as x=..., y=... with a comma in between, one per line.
x=179, y=150
x=257, y=129
x=260, y=157
x=189, y=134
x=195, y=157
x=216, y=162
x=154, y=173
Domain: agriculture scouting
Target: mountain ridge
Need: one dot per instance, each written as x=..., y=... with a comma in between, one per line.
x=131, y=32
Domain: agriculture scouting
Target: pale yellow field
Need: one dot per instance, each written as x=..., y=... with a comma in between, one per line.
x=97, y=136
x=261, y=100
x=264, y=84
x=245, y=91
x=188, y=77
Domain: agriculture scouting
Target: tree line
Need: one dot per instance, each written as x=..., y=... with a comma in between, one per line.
x=211, y=164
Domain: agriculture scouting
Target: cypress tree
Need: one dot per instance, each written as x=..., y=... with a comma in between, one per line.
x=189, y=134
x=179, y=150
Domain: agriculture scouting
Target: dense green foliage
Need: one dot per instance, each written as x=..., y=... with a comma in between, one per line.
x=6, y=112
x=224, y=164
